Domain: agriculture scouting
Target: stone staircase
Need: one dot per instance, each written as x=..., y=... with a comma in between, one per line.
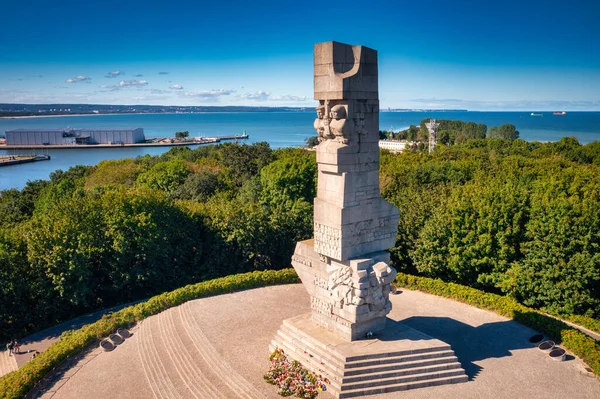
x=365, y=367
x=180, y=362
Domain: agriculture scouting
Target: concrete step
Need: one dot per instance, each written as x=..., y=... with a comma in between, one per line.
x=287, y=326
x=309, y=363
x=383, y=382
x=399, y=359
x=326, y=357
x=450, y=358
x=363, y=374
x=402, y=372
x=397, y=354
x=353, y=393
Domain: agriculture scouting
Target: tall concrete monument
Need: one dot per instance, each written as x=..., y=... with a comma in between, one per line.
x=346, y=267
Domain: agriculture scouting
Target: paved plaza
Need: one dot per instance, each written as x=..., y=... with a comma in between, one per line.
x=217, y=348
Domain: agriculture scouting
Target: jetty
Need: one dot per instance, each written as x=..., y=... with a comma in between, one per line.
x=7, y=160
x=234, y=137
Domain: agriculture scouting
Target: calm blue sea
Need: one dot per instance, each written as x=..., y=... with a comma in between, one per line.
x=279, y=129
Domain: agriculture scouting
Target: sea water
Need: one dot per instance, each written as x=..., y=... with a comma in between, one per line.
x=279, y=129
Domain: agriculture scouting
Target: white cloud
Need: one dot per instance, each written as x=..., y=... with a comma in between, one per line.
x=125, y=84
x=130, y=83
x=288, y=97
x=176, y=87
x=78, y=79
x=258, y=96
x=114, y=74
x=211, y=94
x=263, y=95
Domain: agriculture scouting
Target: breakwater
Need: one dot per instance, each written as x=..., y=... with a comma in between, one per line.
x=8, y=160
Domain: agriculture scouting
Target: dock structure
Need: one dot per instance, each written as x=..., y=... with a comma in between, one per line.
x=7, y=160
x=232, y=137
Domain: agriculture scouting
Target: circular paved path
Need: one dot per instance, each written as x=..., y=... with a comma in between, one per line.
x=218, y=348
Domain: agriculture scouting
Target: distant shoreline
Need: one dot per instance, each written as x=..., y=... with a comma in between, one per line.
x=116, y=113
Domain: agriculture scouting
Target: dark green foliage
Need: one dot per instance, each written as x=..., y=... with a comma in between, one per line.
x=504, y=132
x=94, y=237
x=290, y=177
x=504, y=216
x=182, y=135
x=312, y=141
x=244, y=161
x=198, y=186
x=165, y=176
x=560, y=268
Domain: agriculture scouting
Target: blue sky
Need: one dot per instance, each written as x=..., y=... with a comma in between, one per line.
x=478, y=55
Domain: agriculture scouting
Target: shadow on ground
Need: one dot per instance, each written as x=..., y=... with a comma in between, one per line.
x=472, y=344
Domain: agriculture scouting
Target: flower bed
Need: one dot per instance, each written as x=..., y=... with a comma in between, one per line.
x=293, y=379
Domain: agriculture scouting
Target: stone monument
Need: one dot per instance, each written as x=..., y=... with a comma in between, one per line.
x=345, y=267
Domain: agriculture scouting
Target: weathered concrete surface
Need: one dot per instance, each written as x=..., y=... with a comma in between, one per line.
x=7, y=363
x=494, y=351
x=345, y=267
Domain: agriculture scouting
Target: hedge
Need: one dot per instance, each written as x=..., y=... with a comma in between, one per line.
x=587, y=322
x=583, y=346
x=17, y=383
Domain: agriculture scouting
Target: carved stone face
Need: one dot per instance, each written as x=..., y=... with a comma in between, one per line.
x=338, y=112
x=320, y=112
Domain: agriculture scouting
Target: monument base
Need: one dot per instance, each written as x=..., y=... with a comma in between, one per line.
x=399, y=358
x=349, y=298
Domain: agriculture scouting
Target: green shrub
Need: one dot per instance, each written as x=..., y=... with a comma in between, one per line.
x=18, y=383
x=574, y=340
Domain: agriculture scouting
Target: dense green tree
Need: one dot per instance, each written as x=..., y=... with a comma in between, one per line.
x=475, y=236
x=165, y=176
x=505, y=132
x=114, y=172
x=245, y=161
x=198, y=186
x=561, y=265
x=289, y=178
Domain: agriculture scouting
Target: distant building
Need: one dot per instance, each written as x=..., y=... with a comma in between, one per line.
x=393, y=145
x=74, y=136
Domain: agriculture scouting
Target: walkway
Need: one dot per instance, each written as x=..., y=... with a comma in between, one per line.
x=7, y=363
x=217, y=348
